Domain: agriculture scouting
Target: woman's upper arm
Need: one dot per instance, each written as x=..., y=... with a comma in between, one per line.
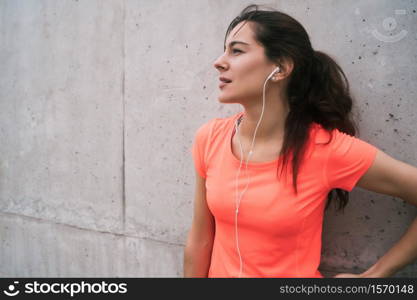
x=392, y=177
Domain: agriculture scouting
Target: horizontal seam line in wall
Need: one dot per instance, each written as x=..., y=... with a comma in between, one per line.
x=89, y=229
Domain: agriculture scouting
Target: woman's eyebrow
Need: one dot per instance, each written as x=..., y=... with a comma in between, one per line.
x=231, y=44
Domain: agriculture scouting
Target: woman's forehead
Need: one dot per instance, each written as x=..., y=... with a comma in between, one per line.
x=242, y=32
x=244, y=25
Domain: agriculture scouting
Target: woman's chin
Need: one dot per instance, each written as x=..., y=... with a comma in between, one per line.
x=226, y=99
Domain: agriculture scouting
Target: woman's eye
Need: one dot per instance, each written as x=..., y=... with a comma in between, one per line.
x=236, y=51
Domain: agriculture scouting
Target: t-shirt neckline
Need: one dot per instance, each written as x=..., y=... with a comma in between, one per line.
x=236, y=161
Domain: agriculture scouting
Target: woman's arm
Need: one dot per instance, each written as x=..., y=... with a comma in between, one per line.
x=198, y=248
x=398, y=179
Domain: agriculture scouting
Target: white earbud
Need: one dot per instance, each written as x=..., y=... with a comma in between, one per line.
x=276, y=70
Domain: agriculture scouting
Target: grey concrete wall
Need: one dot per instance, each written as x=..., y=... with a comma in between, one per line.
x=99, y=102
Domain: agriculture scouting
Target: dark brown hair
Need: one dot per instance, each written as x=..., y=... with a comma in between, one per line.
x=318, y=90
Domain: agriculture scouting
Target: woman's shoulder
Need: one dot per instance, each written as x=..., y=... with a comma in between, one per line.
x=216, y=125
x=319, y=134
x=323, y=136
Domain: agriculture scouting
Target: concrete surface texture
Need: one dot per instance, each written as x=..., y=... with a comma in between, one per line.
x=99, y=103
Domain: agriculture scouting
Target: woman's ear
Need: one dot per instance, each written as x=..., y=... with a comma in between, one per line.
x=286, y=66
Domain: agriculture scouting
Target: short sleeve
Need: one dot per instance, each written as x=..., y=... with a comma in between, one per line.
x=199, y=148
x=348, y=160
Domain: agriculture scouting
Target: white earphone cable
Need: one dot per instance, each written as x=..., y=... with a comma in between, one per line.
x=246, y=170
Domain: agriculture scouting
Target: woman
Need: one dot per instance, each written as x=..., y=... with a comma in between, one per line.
x=267, y=222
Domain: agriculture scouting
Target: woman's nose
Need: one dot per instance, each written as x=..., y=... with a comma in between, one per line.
x=220, y=64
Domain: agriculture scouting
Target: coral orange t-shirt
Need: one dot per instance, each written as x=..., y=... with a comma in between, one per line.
x=279, y=233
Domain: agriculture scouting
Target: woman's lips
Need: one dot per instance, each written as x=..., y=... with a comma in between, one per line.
x=222, y=84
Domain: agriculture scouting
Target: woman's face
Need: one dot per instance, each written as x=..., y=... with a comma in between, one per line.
x=243, y=63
